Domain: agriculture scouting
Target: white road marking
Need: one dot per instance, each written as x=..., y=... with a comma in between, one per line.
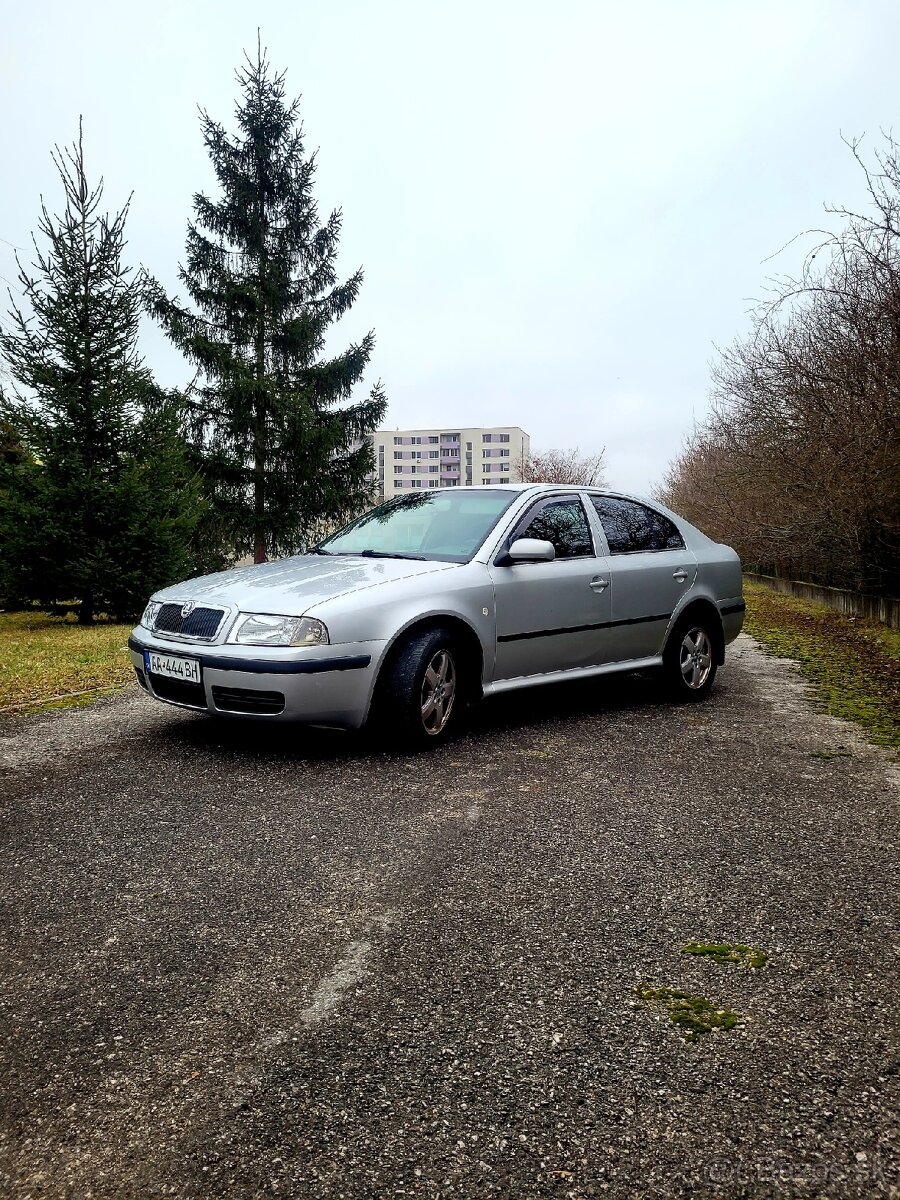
x=348, y=971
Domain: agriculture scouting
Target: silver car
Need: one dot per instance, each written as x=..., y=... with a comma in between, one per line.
x=440, y=597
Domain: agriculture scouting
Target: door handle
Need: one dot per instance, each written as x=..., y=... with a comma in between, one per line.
x=598, y=583
x=680, y=575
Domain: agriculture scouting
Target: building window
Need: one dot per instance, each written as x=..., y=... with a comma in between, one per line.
x=434, y=454
x=434, y=440
x=504, y=454
x=450, y=437
x=434, y=483
x=415, y=482
x=398, y=454
x=434, y=468
x=397, y=470
x=398, y=441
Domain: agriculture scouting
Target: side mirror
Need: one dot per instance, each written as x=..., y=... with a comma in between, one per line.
x=531, y=550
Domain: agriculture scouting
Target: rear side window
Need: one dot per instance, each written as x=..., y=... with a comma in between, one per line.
x=631, y=527
x=562, y=522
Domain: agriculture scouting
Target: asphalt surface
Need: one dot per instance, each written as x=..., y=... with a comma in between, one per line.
x=244, y=962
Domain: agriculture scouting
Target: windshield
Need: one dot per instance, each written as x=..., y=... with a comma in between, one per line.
x=446, y=525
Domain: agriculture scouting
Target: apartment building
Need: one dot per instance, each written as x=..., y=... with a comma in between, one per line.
x=430, y=458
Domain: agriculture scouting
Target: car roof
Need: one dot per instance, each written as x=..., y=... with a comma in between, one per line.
x=553, y=487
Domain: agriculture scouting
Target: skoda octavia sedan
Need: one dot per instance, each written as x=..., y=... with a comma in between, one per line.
x=440, y=597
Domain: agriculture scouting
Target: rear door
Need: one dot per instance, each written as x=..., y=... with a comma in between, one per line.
x=550, y=615
x=650, y=570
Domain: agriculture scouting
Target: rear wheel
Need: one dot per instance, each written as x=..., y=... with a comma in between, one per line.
x=419, y=700
x=689, y=662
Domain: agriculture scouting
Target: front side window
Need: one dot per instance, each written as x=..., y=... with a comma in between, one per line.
x=562, y=522
x=631, y=527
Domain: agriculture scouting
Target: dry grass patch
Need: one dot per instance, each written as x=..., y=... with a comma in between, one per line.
x=42, y=657
x=853, y=664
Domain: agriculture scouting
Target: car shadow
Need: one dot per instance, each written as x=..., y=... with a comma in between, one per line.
x=524, y=710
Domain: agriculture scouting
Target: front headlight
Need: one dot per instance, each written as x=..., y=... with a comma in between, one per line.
x=148, y=620
x=259, y=629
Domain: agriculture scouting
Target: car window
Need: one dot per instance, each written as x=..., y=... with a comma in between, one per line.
x=562, y=522
x=444, y=525
x=631, y=527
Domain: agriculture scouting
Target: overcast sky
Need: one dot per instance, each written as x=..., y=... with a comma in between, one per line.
x=561, y=209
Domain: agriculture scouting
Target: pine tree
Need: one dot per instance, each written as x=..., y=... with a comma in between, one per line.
x=284, y=449
x=97, y=499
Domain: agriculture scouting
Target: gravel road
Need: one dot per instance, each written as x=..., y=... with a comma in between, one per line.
x=240, y=961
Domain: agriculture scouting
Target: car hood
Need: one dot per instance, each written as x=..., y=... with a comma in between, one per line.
x=293, y=585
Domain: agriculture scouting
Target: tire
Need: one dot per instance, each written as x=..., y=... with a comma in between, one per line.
x=419, y=701
x=689, y=660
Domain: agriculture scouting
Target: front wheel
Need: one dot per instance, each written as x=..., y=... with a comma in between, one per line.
x=689, y=662
x=419, y=700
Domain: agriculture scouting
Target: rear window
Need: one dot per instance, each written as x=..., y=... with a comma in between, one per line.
x=631, y=527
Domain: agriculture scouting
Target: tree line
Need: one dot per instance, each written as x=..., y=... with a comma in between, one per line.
x=798, y=463
x=110, y=485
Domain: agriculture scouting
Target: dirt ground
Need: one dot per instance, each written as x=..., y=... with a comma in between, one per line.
x=239, y=961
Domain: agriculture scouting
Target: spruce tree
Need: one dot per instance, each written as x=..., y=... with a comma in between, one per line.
x=97, y=498
x=285, y=450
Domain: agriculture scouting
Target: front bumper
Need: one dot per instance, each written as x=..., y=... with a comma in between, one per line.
x=322, y=685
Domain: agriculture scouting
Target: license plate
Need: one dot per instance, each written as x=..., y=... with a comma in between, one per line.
x=170, y=665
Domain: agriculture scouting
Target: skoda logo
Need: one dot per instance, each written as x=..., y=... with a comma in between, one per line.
x=187, y=609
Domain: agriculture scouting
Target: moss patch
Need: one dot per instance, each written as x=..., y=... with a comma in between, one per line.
x=43, y=656
x=853, y=664
x=728, y=952
x=829, y=754
x=694, y=1016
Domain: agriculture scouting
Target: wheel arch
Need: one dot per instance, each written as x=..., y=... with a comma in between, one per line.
x=700, y=606
x=472, y=650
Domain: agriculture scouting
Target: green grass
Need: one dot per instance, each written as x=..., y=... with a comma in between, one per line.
x=694, y=1016
x=852, y=664
x=728, y=952
x=42, y=658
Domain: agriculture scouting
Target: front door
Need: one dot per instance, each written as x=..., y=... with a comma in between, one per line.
x=550, y=615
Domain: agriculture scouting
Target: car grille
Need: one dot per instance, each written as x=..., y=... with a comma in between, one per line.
x=248, y=700
x=201, y=624
x=178, y=691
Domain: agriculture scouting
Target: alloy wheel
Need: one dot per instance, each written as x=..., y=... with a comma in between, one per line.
x=438, y=692
x=695, y=658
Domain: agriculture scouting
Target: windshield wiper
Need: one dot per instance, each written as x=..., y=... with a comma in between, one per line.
x=388, y=554
x=318, y=550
